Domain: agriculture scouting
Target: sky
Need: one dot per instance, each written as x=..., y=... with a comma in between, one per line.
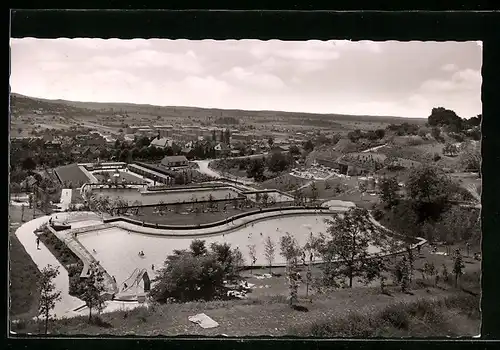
x=391, y=78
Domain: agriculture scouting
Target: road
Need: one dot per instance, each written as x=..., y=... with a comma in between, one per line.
x=374, y=148
x=205, y=169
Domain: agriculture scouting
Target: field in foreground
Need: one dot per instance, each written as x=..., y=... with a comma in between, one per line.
x=361, y=312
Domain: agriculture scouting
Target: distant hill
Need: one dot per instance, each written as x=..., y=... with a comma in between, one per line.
x=23, y=104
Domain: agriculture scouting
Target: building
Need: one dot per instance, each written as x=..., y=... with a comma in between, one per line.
x=174, y=161
x=164, y=130
x=161, y=143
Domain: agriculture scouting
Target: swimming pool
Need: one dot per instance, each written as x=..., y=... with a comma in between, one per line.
x=117, y=249
x=168, y=196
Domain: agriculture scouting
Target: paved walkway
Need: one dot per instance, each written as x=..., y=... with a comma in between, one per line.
x=66, y=198
x=43, y=257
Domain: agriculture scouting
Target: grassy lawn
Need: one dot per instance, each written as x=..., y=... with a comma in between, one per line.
x=23, y=273
x=23, y=277
x=285, y=183
x=76, y=197
x=357, y=310
x=129, y=178
x=184, y=217
x=72, y=173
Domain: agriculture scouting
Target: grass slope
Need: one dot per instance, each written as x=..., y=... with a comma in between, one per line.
x=23, y=273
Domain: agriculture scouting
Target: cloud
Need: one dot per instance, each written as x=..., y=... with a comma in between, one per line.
x=450, y=67
x=464, y=80
x=362, y=45
x=108, y=44
x=296, y=51
x=247, y=77
x=187, y=62
x=53, y=66
x=208, y=84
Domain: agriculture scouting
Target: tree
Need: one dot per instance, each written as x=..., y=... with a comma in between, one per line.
x=290, y=250
x=48, y=294
x=428, y=190
x=105, y=176
x=429, y=269
x=445, y=117
x=198, y=248
x=470, y=159
x=187, y=277
x=294, y=150
x=449, y=150
x=93, y=290
x=278, y=162
x=458, y=266
x=389, y=191
x=308, y=146
x=253, y=256
x=375, y=270
x=458, y=224
x=28, y=164
x=345, y=250
x=314, y=192
x=238, y=260
x=269, y=252
x=311, y=247
x=256, y=169
x=144, y=141
x=436, y=133
x=411, y=261
x=444, y=273
x=224, y=255
x=402, y=269
x=124, y=155
x=270, y=142
x=380, y=133
x=298, y=197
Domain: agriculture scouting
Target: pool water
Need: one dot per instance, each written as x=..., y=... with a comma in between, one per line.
x=117, y=249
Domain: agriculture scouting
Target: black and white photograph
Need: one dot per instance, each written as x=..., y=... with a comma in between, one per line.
x=326, y=189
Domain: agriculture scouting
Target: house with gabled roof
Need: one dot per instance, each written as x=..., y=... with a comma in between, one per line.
x=174, y=161
x=161, y=142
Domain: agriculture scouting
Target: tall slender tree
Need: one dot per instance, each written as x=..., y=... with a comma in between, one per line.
x=269, y=251
x=48, y=294
x=345, y=248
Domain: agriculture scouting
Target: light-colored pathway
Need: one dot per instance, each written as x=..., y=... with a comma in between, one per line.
x=373, y=148
x=204, y=168
x=43, y=257
x=66, y=198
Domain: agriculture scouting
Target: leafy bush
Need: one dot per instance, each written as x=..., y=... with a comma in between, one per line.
x=378, y=214
x=197, y=274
